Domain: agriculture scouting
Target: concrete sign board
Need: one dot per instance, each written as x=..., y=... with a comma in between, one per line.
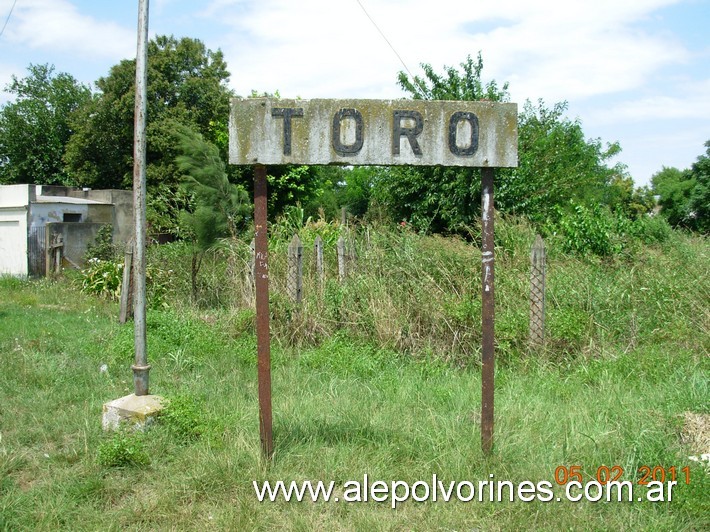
x=373, y=132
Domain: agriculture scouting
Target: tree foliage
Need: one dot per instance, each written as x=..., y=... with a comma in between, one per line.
x=289, y=185
x=557, y=164
x=700, y=196
x=684, y=195
x=220, y=208
x=674, y=187
x=35, y=128
x=454, y=85
x=187, y=84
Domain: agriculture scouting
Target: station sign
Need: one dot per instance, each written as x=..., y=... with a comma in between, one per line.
x=270, y=131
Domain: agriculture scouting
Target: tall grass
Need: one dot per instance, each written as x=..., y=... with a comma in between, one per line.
x=421, y=294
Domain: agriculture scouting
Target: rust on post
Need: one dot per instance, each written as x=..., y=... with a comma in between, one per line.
x=488, y=308
x=249, y=276
x=263, y=337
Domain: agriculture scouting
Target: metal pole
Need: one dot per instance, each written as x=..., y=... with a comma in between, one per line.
x=141, y=367
x=261, y=282
x=488, y=307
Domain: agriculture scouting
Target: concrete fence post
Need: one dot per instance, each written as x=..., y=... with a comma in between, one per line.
x=342, y=267
x=537, y=293
x=320, y=269
x=294, y=284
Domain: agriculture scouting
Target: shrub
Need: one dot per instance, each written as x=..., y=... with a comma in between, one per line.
x=123, y=449
x=586, y=230
x=184, y=418
x=102, y=248
x=651, y=229
x=102, y=278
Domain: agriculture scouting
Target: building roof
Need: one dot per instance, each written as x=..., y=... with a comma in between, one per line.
x=67, y=199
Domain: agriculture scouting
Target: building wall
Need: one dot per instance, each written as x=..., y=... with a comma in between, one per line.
x=14, y=202
x=76, y=238
x=122, y=201
x=43, y=213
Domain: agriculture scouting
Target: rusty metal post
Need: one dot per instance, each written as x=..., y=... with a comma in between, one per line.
x=140, y=368
x=488, y=307
x=263, y=341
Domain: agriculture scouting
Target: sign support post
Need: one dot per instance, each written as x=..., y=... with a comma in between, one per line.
x=264, y=131
x=261, y=281
x=488, y=310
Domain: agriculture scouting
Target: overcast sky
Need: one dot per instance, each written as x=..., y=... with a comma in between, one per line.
x=633, y=71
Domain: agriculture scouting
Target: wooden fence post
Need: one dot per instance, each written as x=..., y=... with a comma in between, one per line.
x=294, y=285
x=54, y=248
x=126, y=307
x=537, y=293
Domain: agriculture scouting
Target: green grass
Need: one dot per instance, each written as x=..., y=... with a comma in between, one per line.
x=610, y=389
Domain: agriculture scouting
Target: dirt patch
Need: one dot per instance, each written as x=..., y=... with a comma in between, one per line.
x=695, y=435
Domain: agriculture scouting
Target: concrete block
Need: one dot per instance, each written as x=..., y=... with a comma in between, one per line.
x=137, y=411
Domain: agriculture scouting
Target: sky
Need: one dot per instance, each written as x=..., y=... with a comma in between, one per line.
x=632, y=71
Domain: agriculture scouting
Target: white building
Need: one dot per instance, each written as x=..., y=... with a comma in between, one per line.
x=32, y=215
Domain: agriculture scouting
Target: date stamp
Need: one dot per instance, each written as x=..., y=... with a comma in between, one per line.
x=605, y=474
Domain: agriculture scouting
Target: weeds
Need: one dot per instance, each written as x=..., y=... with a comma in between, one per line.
x=183, y=418
x=123, y=449
x=416, y=293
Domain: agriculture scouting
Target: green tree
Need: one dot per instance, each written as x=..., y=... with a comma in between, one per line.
x=35, y=128
x=290, y=185
x=187, y=84
x=432, y=198
x=454, y=85
x=674, y=188
x=556, y=163
x=699, y=204
x=220, y=209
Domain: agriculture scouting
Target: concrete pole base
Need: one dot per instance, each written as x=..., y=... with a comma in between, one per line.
x=135, y=411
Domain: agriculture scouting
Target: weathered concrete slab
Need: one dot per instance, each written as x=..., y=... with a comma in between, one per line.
x=373, y=132
x=133, y=410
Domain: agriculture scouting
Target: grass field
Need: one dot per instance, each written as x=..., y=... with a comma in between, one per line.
x=612, y=390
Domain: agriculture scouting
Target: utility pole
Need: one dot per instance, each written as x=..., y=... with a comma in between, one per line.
x=138, y=408
x=140, y=368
